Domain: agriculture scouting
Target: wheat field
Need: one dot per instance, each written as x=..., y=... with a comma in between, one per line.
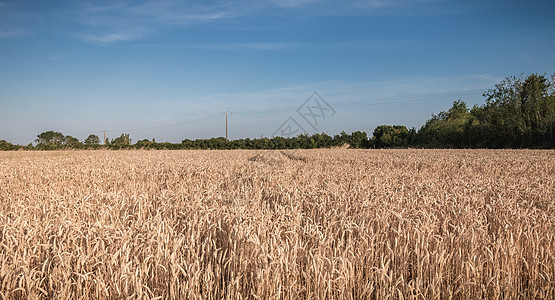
x=294, y=224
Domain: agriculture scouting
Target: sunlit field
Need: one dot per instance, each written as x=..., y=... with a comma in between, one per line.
x=295, y=224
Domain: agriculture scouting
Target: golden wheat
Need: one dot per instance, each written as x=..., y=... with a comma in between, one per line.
x=305, y=224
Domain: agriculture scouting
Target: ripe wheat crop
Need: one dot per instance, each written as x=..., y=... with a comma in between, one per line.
x=306, y=224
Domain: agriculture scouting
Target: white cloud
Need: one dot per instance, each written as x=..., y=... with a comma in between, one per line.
x=108, y=38
x=268, y=46
x=389, y=3
x=114, y=20
x=170, y=12
x=127, y=21
x=380, y=7
x=372, y=3
x=366, y=45
x=275, y=47
x=261, y=46
x=292, y=3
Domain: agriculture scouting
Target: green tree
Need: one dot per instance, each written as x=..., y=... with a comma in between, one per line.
x=537, y=108
x=92, y=139
x=51, y=138
x=390, y=136
x=359, y=139
x=146, y=143
x=448, y=128
x=72, y=142
x=122, y=140
x=519, y=112
x=6, y=146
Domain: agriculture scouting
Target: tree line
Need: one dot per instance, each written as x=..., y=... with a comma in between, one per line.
x=518, y=113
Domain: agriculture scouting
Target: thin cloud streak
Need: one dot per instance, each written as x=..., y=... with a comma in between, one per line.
x=272, y=47
x=293, y=3
x=125, y=21
x=161, y=15
x=344, y=93
x=362, y=45
x=109, y=38
x=172, y=12
x=129, y=21
x=12, y=33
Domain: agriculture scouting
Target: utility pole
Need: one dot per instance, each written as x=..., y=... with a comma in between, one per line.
x=104, y=140
x=226, y=112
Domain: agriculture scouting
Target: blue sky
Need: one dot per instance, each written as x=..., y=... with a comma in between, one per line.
x=158, y=68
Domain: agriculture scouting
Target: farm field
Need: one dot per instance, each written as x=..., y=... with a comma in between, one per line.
x=293, y=224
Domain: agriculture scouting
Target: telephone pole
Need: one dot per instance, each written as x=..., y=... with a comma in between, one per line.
x=226, y=113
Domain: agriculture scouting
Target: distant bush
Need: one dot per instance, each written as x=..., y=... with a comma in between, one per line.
x=5, y=146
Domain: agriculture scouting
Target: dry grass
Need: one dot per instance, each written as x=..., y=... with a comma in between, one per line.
x=318, y=224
